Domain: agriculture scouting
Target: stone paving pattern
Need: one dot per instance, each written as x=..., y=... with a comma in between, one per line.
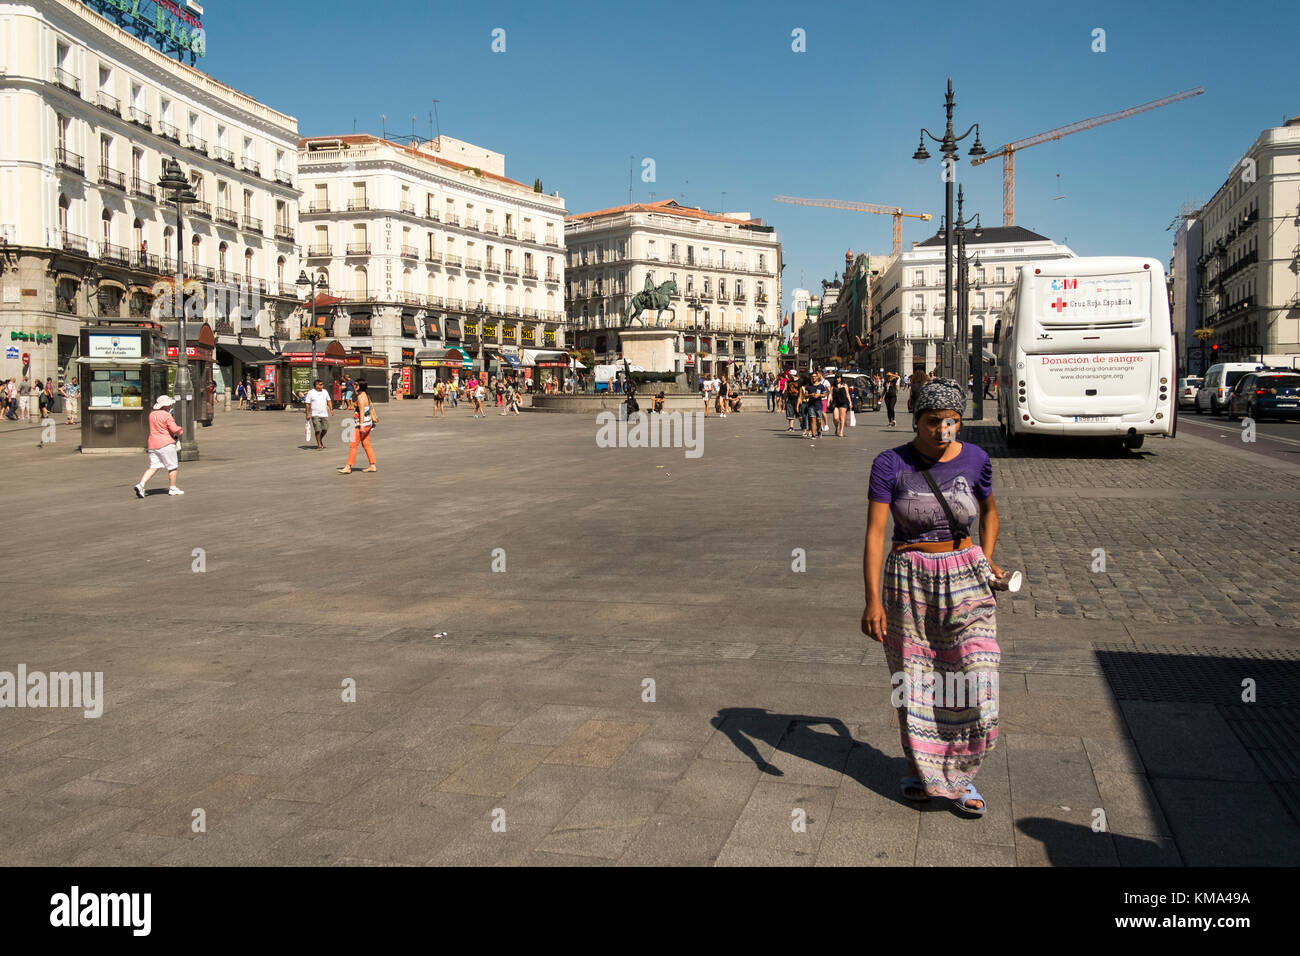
x=224, y=687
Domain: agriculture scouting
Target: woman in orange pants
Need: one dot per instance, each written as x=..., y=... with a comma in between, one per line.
x=361, y=434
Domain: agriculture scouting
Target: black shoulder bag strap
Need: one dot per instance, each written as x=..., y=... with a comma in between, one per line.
x=954, y=526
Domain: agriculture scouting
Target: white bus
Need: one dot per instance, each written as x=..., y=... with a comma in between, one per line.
x=1087, y=348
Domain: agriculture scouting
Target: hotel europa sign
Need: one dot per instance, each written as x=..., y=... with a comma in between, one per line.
x=172, y=27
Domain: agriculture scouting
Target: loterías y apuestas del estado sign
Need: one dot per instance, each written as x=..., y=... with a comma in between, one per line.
x=175, y=27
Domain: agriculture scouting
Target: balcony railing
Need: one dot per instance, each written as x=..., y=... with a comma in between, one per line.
x=356, y=205
x=432, y=256
x=451, y=219
x=722, y=296
x=108, y=102
x=168, y=131
x=512, y=271
x=141, y=188
x=223, y=155
x=552, y=277
x=491, y=266
x=476, y=264
x=110, y=252
x=359, y=327
x=318, y=205
x=66, y=80
x=358, y=248
x=200, y=208
x=530, y=273
x=552, y=241
x=318, y=251
x=251, y=223
x=410, y=252
x=145, y=262
x=140, y=118
x=510, y=232
x=252, y=166
x=227, y=215
x=472, y=224
x=223, y=327
x=491, y=228
x=760, y=299
x=452, y=260
x=108, y=176
x=67, y=159
x=197, y=143
x=282, y=176
x=432, y=216
x=75, y=243
x=529, y=237
x=407, y=207
x=739, y=297
x=284, y=231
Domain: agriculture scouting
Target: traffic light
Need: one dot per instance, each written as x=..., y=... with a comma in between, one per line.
x=1214, y=349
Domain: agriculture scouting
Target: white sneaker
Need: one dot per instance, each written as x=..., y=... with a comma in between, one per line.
x=139, y=490
x=174, y=491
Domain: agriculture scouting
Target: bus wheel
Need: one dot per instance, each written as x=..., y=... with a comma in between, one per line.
x=1133, y=442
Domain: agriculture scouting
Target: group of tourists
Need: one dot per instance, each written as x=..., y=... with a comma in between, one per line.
x=17, y=397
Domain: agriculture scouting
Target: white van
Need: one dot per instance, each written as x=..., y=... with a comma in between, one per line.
x=1219, y=380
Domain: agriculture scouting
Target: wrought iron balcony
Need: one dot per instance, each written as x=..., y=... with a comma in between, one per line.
x=552, y=241
x=223, y=155
x=509, y=232
x=432, y=256
x=475, y=264
x=318, y=205
x=197, y=143
x=67, y=159
x=318, y=251
x=451, y=219
x=739, y=297
x=359, y=327
x=491, y=266
x=227, y=216
x=722, y=296
x=512, y=271
x=407, y=207
x=75, y=243
x=252, y=166
x=472, y=224
x=141, y=188
x=251, y=224
x=66, y=80
x=223, y=327
x=491, y=228
x=282, y=176
x=108, y=102
x=145, y=262
x=200, y=208
x=410, y=252
x=529, y=236
x=552, y=277
x=108, y=176
x=452, y=260
x=168, y=131
x=432, y=216
x=140, y=118
x=530, y=274
x=110, y=252
x=284, y=231
x=358, y=248
x=357, y=205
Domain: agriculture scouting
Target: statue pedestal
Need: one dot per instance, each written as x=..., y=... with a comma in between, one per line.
x=655, y=350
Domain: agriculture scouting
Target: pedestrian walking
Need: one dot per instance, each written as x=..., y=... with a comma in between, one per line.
x=11, y=400
x=317, y=403
x=478, y=393
x=723, y=388
x=891, y=396
x=25, y=400
x=791, y=396
x=914, y=384
x=364, y=417
x=818, y=395
x=840, y=405
x=349, y=392
x=988, y=382
x=935, y=612
x=163, y=435
x=440, y=400
x=706, y=389
x=45, y=398
x=71, y=393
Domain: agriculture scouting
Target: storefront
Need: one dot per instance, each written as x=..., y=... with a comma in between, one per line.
x=371, y=369
x=408, y=381
x=201, y=350
x=440, y=365
x=295, y=367
x=244, y=363
x=123, y=370
x=548, y=367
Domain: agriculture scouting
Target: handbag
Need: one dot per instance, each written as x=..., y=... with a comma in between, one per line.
x=853, y=419
x=954, y=526
x=307, y=431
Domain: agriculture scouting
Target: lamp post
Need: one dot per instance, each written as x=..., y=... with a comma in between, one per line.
x=323, y=285
x=948, y=146
x=173, y=181
x=959, y=224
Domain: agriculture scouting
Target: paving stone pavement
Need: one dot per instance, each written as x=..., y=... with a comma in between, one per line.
x=527, y=735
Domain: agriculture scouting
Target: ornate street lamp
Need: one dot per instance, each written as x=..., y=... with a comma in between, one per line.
x=323, y=285
x=948, y=146
x=175, y=185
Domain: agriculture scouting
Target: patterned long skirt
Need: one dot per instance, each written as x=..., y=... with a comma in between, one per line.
x=942, y=648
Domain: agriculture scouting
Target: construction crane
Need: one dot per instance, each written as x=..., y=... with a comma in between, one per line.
x=1008, y=152
x=894, y=211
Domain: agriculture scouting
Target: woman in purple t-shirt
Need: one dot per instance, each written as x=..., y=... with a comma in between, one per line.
x=937, y=616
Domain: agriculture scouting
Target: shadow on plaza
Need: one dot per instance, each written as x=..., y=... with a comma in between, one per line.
x=833, y=748
x=1054, y=448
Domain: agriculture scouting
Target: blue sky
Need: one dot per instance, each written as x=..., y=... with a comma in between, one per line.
x=716, y=96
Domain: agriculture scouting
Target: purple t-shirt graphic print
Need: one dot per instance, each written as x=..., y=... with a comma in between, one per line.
x=918, y=516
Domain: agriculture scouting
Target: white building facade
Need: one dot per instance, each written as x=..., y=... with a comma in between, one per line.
x=430, y=246
x=908, y=296
x=727, y=269
x=90, y=114
x=1249, y=262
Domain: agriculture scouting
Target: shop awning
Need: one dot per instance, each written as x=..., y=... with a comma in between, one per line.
x=249, y=354
x=442, y=358
x=514, y=361
x=545, y=359
x=452, y=327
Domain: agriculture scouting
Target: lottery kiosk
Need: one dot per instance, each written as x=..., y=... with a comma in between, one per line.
x=123, y=370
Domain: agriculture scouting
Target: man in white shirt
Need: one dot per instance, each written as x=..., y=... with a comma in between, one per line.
x=708, y=395
x=318, y=412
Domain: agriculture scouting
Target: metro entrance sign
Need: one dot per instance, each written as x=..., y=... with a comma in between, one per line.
x=173, y=27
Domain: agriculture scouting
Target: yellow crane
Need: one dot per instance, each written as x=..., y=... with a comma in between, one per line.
x=1008, y=152
x=894, y=211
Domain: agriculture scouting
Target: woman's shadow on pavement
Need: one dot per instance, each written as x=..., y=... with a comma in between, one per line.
x=833, y=748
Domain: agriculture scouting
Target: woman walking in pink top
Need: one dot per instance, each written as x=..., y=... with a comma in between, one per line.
x=163, y=432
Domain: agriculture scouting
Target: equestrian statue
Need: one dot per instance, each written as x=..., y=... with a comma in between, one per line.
x=653, y=298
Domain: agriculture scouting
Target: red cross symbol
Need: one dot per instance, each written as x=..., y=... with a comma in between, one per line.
x=1059, y=304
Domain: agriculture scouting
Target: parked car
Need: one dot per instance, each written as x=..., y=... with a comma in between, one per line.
x=1187, y=389
x=1219, y=381
x=1259, y=395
